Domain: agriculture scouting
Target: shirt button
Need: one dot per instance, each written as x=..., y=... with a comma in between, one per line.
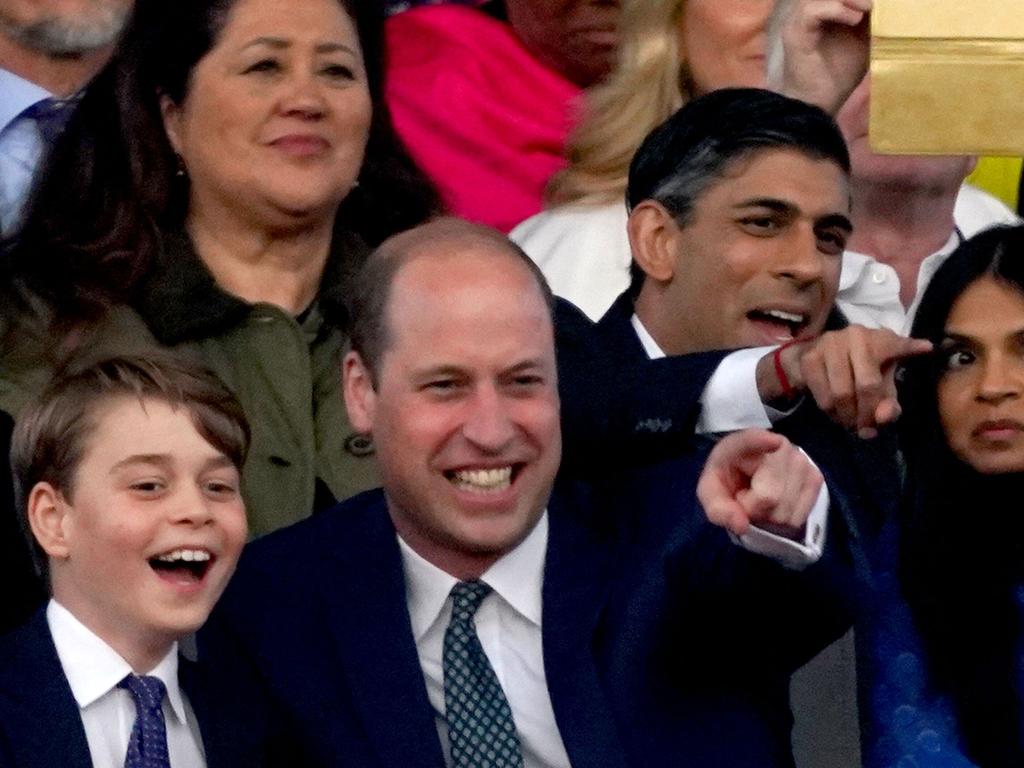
x=878, y=276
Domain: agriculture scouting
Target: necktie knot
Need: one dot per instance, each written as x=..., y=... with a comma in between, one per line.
x=49, y=115
x=147, y=691
x=466, y=599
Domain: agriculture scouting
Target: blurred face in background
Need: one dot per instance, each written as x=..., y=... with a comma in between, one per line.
x=722, y=43
x=577, y=38
x=63, y=27
x=939, y=173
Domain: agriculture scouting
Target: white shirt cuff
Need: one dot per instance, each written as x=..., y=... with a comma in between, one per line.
x=795, y=555
x=730, y=400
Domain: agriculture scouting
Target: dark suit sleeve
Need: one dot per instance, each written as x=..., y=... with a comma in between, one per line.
x=742, y=613
x=618, y=411
x=23, y=590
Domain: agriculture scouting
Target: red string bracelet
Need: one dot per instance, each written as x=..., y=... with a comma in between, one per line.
x=780, y=373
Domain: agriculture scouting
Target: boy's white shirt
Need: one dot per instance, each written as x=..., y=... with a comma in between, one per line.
x=93, y=669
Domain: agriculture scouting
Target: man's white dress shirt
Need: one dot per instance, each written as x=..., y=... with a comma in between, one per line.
x=869, y=291
x=509, y=624
x=93, y=670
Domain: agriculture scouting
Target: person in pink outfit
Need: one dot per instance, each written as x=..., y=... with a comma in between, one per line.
x=484, y=97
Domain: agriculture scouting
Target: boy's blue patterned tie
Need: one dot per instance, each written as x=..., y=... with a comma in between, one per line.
x=481, y=731
x=147, y=746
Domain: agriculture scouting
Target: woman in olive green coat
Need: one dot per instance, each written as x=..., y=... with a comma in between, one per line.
x=216, y=184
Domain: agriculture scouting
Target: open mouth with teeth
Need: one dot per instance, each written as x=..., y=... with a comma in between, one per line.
x=492, y=480
x=779, y=324
x=183, y=566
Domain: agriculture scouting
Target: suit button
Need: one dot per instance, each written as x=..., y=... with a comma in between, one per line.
x=359, y=445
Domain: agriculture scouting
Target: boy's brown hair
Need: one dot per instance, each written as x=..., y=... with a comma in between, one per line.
x=51, y=432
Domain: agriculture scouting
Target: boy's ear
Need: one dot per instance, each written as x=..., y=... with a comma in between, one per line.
x=47, y=511
x=653, y=239
x=360, y=395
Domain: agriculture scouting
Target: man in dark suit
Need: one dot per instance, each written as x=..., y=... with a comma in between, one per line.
x=740, y=211
x=473, y=605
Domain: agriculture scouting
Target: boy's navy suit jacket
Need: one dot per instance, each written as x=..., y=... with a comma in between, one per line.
x=664, y=644
x=40, y=726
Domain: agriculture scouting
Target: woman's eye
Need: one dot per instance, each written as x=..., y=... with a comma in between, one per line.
x=958, y=358
x=263, y=65
x=339, y=72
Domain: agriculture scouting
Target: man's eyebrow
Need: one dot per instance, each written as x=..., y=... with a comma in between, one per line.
x=280, y=43
x=782, y=206
x=771, y=203
x=439, y=370
x=835, y=220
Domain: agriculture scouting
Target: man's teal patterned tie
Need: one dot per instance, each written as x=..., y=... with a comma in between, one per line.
x=481, y=731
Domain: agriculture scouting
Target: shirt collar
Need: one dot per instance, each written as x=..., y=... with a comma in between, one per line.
x=18, y=95
x=654, y=352
x=93, y=668
x=517, y=577
x=856, y=265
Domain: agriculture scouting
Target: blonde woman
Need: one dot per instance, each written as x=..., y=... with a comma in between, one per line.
x=670, y=51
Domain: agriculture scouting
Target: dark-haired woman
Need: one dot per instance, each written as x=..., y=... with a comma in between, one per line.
x=946, y=678
x=218, y=180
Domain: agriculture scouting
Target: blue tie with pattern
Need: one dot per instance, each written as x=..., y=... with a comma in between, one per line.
x=481, y=731
x=147, y=746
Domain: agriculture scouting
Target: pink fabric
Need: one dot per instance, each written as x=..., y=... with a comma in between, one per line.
x=483, y=118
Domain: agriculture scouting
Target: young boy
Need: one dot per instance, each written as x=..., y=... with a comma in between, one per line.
x=127, y=475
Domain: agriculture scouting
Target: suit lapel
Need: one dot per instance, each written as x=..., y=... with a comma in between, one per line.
x=576, y=582
x=368, y=617
x=44, y=714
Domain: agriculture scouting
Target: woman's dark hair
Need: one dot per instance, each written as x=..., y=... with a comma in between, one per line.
x=109, y=188
x=961, y=560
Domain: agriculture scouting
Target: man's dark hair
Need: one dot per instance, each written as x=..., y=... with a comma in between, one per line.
x=368, y=331
x=688, y=153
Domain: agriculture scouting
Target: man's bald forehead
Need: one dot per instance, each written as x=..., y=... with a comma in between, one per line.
x=368, y=307
x=447, y=235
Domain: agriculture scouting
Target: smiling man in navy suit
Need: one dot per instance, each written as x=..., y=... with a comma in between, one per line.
x=475, y=608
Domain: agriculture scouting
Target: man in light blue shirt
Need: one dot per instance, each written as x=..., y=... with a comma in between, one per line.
x=47, y=49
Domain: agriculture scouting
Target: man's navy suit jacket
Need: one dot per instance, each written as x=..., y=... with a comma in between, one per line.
x=40, y=725
x=865, y=472
x=664, y=644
